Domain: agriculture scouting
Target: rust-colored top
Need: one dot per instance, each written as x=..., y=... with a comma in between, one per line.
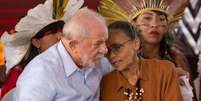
x=158, y=80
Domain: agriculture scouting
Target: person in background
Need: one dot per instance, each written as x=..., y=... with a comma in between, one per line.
x=35, y=33
x=45, y=38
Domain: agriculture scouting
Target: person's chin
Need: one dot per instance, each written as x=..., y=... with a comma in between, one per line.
x=118, y=67
x=154, y=41
x=93, y=64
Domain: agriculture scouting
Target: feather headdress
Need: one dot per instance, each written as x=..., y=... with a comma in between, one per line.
x=128, y=10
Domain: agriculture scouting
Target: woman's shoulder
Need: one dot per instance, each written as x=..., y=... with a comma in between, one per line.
x=109, y=82
x=110, y=77
x=158, y=62
x=158, y=65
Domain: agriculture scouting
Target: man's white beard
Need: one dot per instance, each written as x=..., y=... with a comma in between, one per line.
x=91, y=63
x=88, y=61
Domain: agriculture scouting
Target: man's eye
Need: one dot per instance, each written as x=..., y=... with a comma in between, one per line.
x=96, y=45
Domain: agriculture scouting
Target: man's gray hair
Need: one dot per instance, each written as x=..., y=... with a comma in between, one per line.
x=76, y=28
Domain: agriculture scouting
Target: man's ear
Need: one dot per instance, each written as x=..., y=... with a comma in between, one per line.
x=136, y=44
x=73, y=44
x=36, y=43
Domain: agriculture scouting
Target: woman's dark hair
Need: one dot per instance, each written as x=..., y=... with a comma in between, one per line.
x=126, y=27
x=165, y=47
x=50, y=29
x=33, y=51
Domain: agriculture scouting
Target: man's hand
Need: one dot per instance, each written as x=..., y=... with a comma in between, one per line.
x=180, y=72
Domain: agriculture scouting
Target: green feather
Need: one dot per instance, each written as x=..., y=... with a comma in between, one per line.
x=58, y=8
x=158, y=2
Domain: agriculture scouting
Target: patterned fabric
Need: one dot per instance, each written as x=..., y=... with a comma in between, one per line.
x=189, y=33
x=190, y=25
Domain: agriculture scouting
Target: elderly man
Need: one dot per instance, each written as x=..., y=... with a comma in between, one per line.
x=72, y=69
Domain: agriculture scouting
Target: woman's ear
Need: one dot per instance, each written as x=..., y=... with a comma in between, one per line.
x=59, y=35
x=36, y=43
x=134, y=23
x=136, y=44
x=73, y=44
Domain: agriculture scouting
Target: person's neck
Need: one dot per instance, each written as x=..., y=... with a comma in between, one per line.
x=151, y=51
x=132, y=72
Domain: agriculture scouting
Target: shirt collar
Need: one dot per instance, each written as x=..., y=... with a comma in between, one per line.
x=67, y=61
x=123, y=83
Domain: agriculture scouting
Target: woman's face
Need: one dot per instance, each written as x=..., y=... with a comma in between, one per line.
x=121, y=50
x=153, y=26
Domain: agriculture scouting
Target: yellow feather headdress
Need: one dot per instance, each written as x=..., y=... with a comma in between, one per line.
x=58, y=8
x=127, y=10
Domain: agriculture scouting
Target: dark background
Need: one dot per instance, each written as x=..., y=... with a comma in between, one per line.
x=12, y=10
